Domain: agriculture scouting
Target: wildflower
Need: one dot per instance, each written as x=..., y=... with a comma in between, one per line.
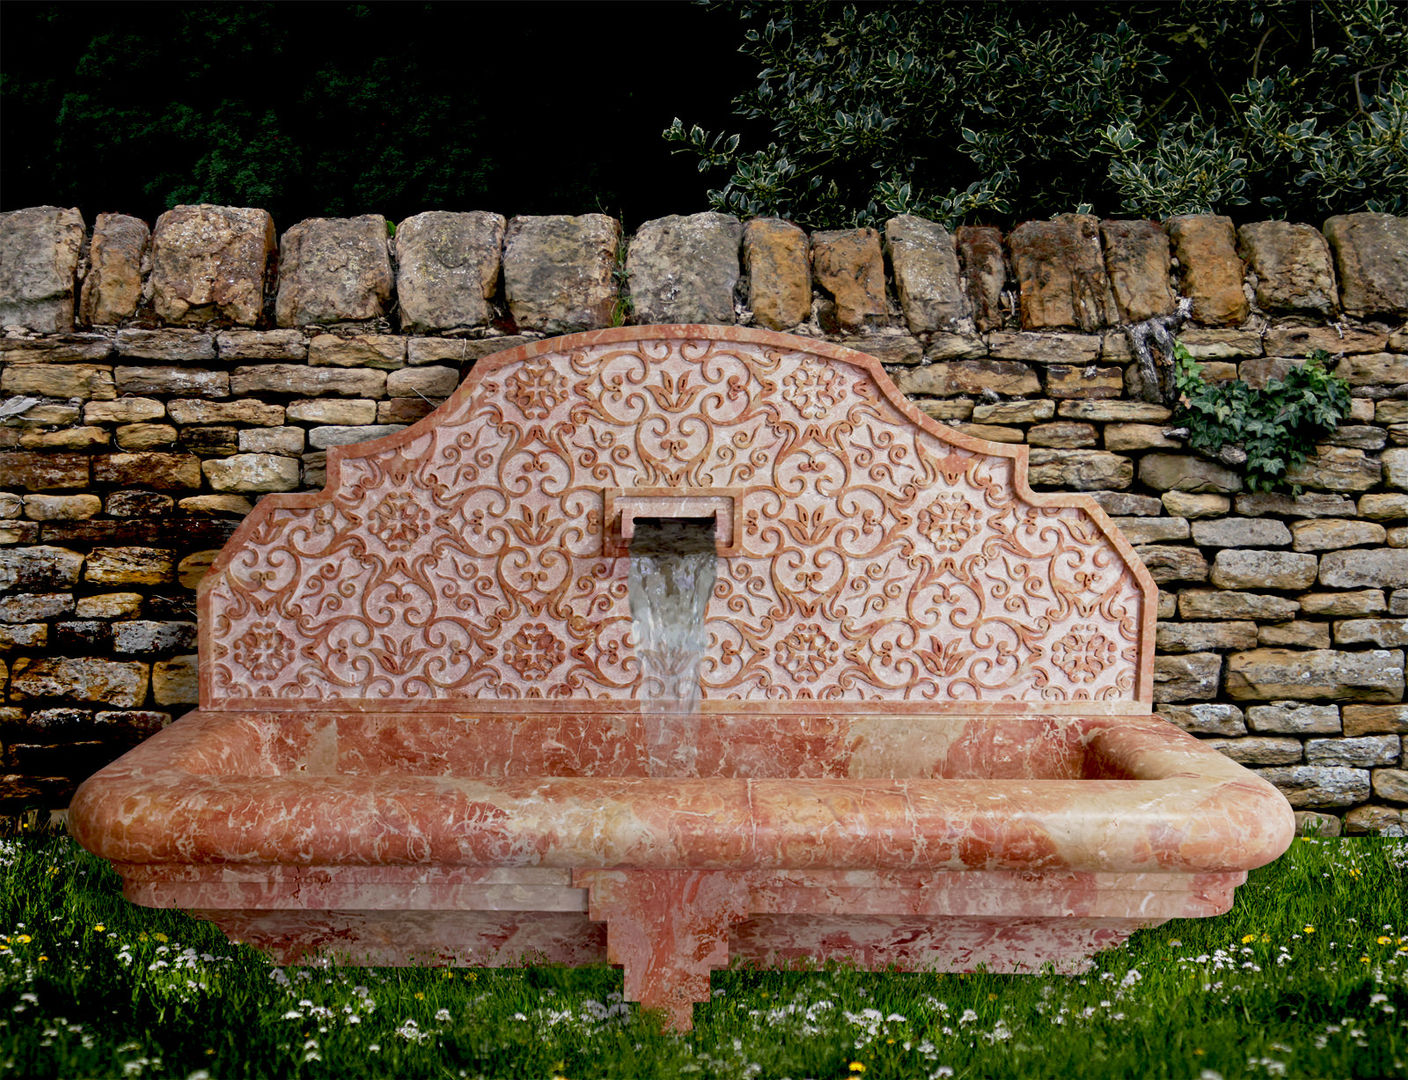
x=857, y=1067
x=23, y=939
x=1384, y=940
x=419, y=996
x=1248, y=937
x=1308, y=929
x=99, y=927
x=161, y=938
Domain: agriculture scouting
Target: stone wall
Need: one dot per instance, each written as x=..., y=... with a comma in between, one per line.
x=155, y=382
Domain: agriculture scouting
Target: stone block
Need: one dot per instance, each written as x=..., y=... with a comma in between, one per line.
x=144, y=436
x=61, y=507
x=320, y=438
x=1358, y=602
x=11, y=505
x=217, y=505
x=138, y=504
x=1166, y=563
x=315, y=469
x=186, y=411
x=943, y=346
x=683, y=269
x=1184, y=472
x=348, y=413
x=1084, y=383
x=34, y=607
x=142, y=636
x=1328, y=534
x=925, y=263
x=312, y=382
x=44, y=566
x=984, y=263
x=559, y=272
x=334, y=270
x=1188, y=505
x=1336, y=340
x=1241, y=532
x=112, y=288
x=150, y=469
x=110, y=682
x=76, y=438
x=1380, y=568
x=1210, y=271
x=1354, y=753
x=1138, y=437
x=1062, y=433
x=173, y=346
x=448, y=269
x=887, y=347
x=1044, y=348
x=261, y=345
x=210, y=440
x=426, y=382
x=129, y=566
x=252, y=472
x=176, y=681
x=194, y=567
x=1297, y=634
x=1395, y=468
x=127, y=410
x=272, y=440
x=1391, y=784
x=969, y=377
x=72, y=381
x=1291, y=267
x=384, y=351
x=1294, y=718
x=1060, y=272
x=1374, y=369
x=117, y=605
x=1309, y=505
x=1259, y=750
x=1376, y=719
x=1190, y=677
x=1079, y=470
x=1205, y=636
x=1222, y=344
x=428, y=350
x=1016, y=412
x=1386, y=633
x=1376, y=821
x=990, y=432
x=1244, y=568
x=1152, y=530
x=1223, y=604
x=1114, y=411
x=1312, y=823
x=1124, y=504
x=1319, y=675
x=1371, y=255
x=1137, y=262
x=779, y=273
x=44, y=472
x=1336, y=468
x=1359, y=436
x=39, y=249
x=210, y=264
x=848, y=265
x=28, y=636
x=1318, y=785
x=403, y=410
x=172, y=380
x=1207, y=718
x=131, y=725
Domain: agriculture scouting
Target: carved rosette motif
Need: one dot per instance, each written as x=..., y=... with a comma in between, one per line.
x=880, y=561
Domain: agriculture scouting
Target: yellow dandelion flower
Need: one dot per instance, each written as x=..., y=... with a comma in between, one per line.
x=857, y=1067
x=1384, y=940
x=1248, y=937
x=1363, y=959
x=23, y=939
x=99, y=927
x=1308, y=929
x=43, y=958
x=161, y=937
x=420, y=996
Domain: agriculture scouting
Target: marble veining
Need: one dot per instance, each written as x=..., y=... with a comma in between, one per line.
x=923, y=734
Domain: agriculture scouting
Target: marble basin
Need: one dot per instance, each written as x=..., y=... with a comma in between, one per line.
x=923, y=734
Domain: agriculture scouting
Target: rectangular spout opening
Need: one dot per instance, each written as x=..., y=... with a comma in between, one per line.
x=625, y=507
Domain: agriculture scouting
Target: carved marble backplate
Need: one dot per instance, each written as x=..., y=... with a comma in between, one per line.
x=872, y=555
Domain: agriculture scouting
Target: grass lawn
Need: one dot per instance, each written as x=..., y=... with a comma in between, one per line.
x=1306, y=977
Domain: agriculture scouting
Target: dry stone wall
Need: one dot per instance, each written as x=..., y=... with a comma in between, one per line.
x=156, y=382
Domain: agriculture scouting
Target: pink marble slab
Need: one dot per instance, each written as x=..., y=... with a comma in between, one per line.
x=923, y=737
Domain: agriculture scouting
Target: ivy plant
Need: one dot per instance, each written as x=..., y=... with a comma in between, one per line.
x=1276, y=427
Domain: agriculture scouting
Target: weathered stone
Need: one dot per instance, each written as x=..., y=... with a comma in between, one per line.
x=1371, y=254
x=1190, y=677
x=1359, y=436
x=39, y=249
x=1297, y=634
x=210, y=264
x=131, y=724
x=1210, y=271
x=144, y=636
x=429, y=350
x=991, y=432
x=44, y=472
x=944, y=411
x=272, y=440
x=261, y=345
x=129, y=566
x=34, y=607
x=1336, y=468
x=1313, y=505
x=448, y=269
x=1259, y=750
x=320, y=438
x=779, y=273
x=1376, y=719
x=1206, y=718
x=1137, y=262
x=145, y=436
x=211, y=440
x=1395, y=464
x=308, y=381
x=1166, y=606
x=942, y=346
x=384, y=351
x=1205, y=636
x=847, y=263
x=76, y=438
x=1386, y=633
x=1294, y=718
x=1137, y=437
x=164, y=472
x=559, y=272
x=887, y=347
x=1124, y=504
x=19, y=532
x=185, y=411
x=1324, y=674
x=1391, y=784
x=1188, y=505
x=1085, y=383
x=315, y=469
x=176, y=346
x=44, y=414
x=1335, y=340
x=1360, y=602
x=1241, y=532
x=344, y=413
x=1361, y=752
x=927, y=280
x=127, y=410
x=1062, y=433
x=1079, y=470
x=1166, y=563
x=1291, y=266
x=1326, y=534
x=39, y=567
x=252, y=472
x=11, y=505
x=172, y=380
x=969, y=377
x=1017, y=412
x=1263, y=370
x=81, y=381
x=403, y=410
x=112, y=288
x=1222, y=344
x=194, y=567
x=1318, y=785
x=684, y=269
x=1044, y=348
x=981, y=254
x=231, y=505
x=128, y=504
x=1376, y=821
x=334, y=270
x=88, y=679
x=61, y=507
x=431, y=382
x=1222, y=604
x=1313, y=823
x=1356, y=569
x=22, y=636
x=176, y=681
x=1114, y=411
x=1182, y=472
x=1060, y=271
x=1374, y=369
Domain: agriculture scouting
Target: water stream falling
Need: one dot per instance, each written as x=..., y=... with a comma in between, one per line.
x=673, y=565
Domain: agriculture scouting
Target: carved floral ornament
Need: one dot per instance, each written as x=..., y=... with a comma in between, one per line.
x=881, y=556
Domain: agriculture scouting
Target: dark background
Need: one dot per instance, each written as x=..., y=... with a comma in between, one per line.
x=311, y=109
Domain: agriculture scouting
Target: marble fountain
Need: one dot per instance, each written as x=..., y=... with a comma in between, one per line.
x=913, y=726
